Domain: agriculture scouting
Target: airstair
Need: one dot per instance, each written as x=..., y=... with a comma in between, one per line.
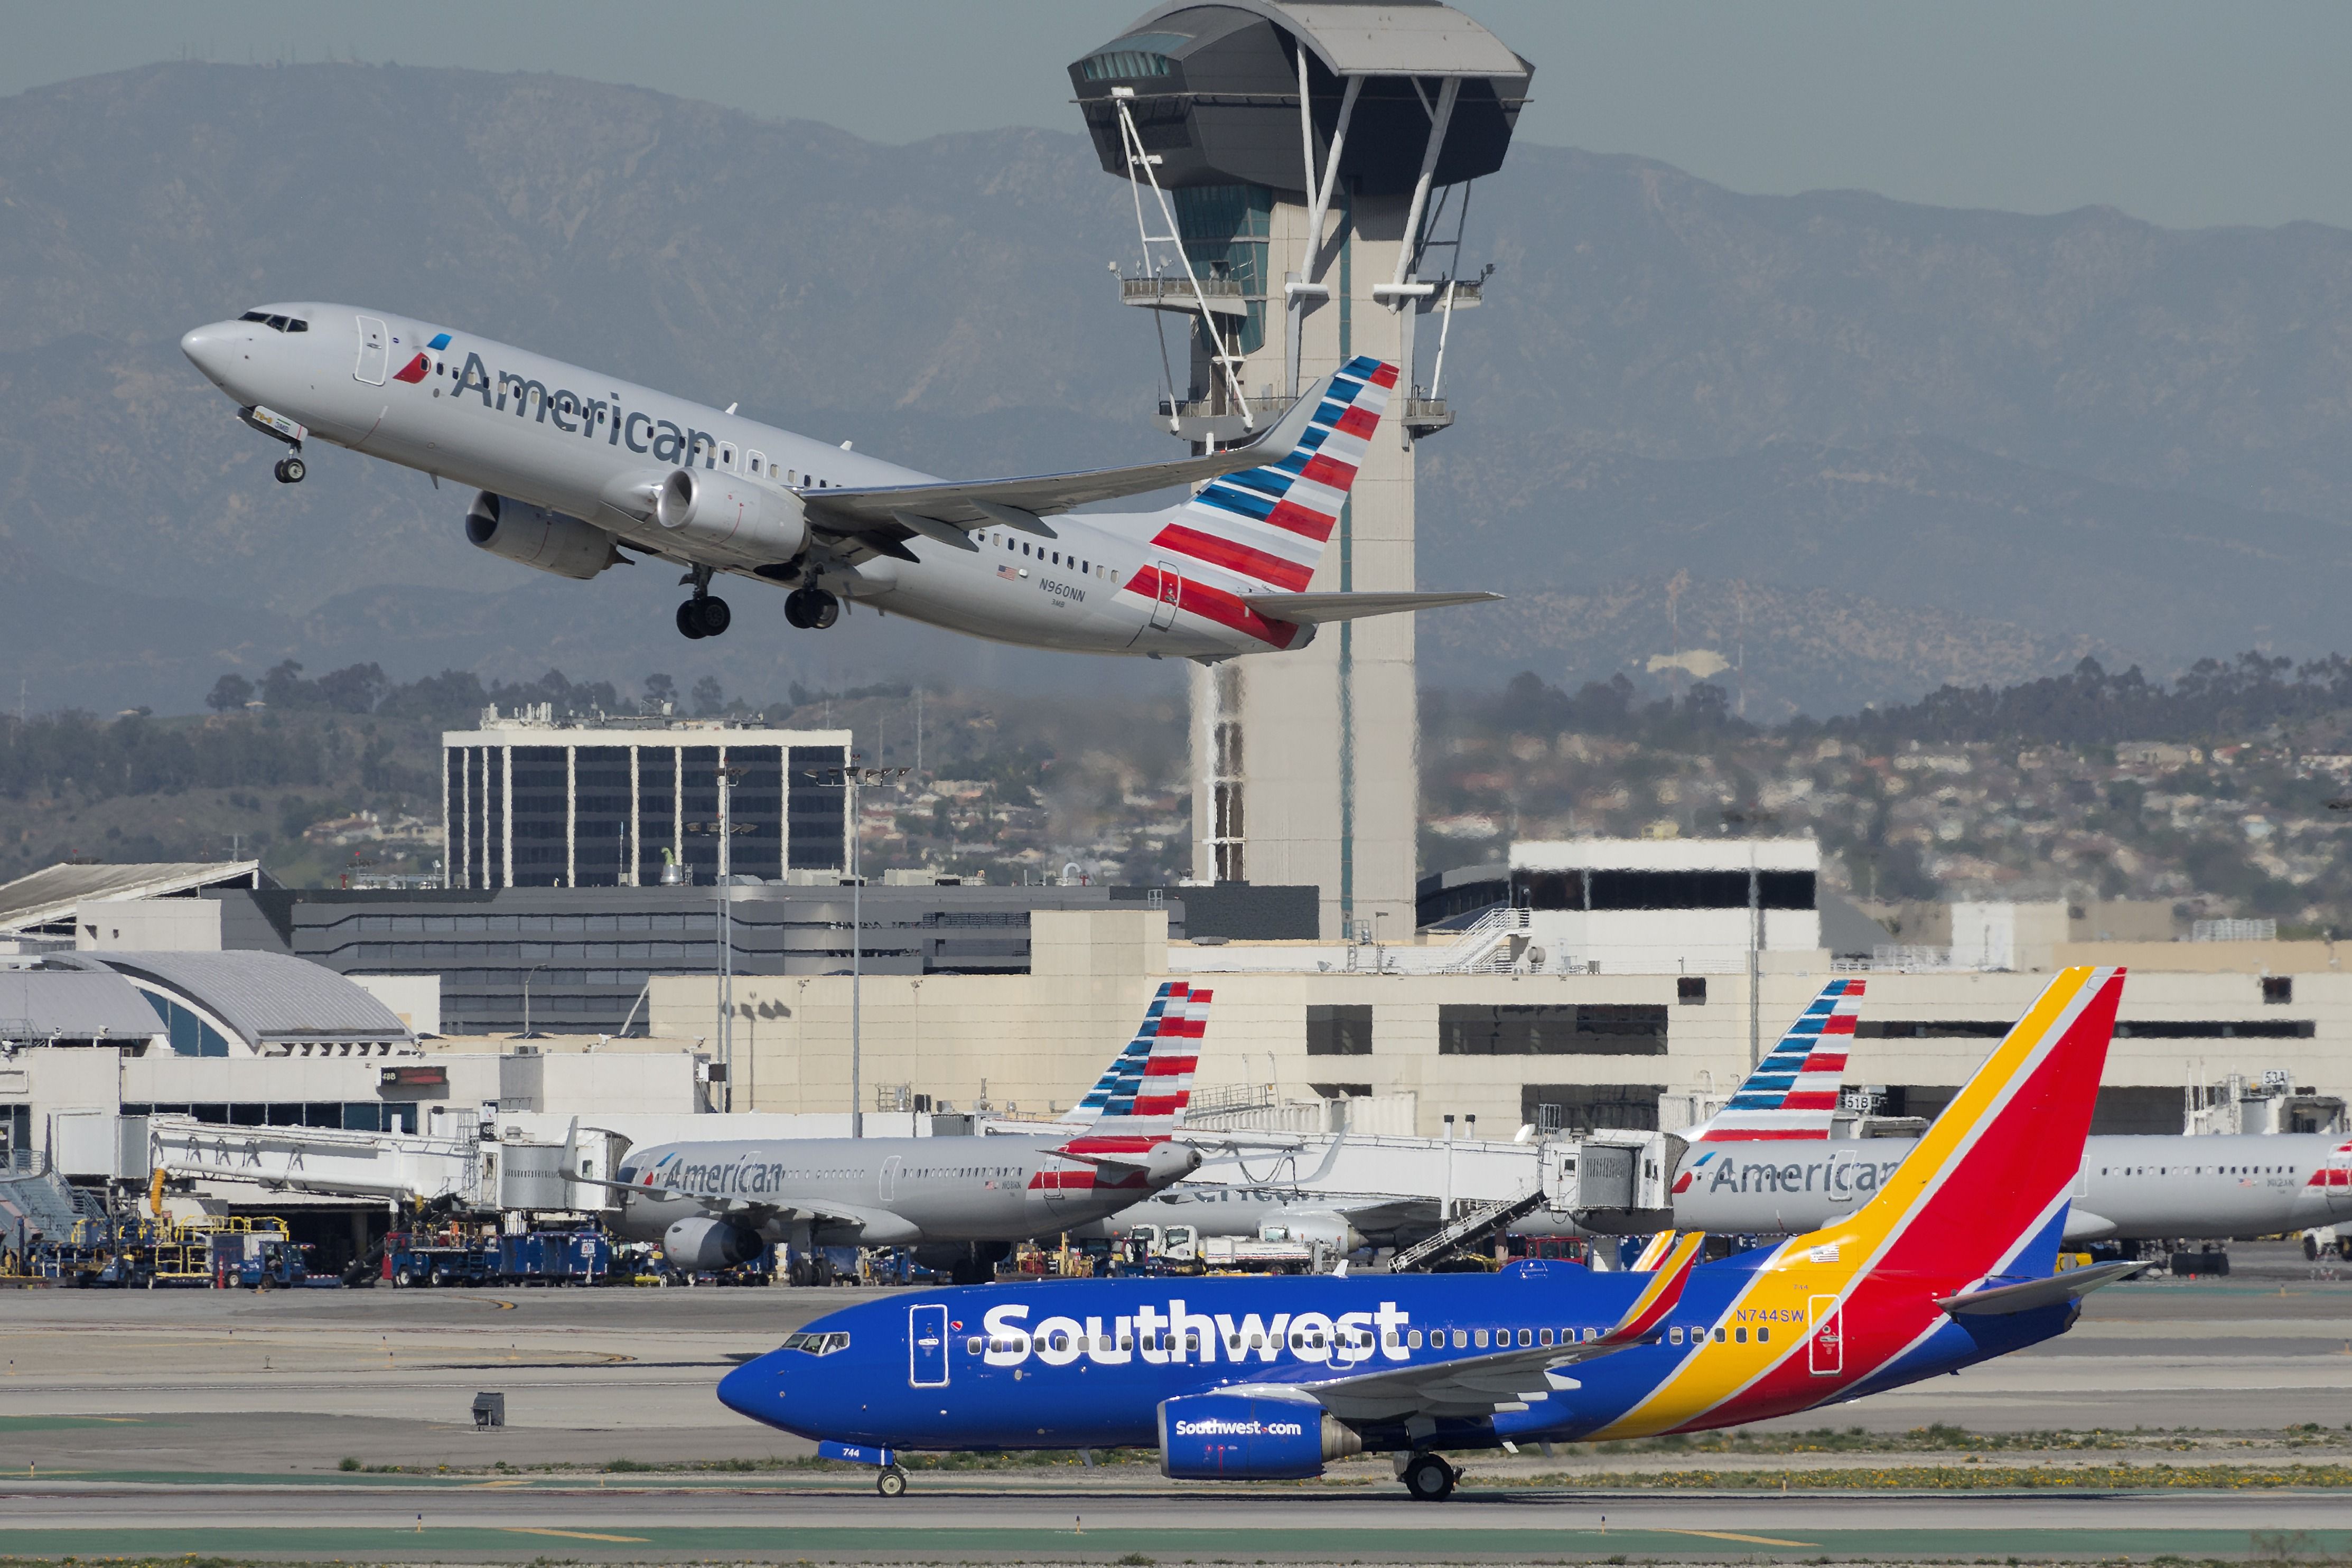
x=43, y=1203
x=1471, y=1226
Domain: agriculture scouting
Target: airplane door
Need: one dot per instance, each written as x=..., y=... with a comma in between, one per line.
x=374, y=352
x=927, y=1346
x=1171, y=589
x=890, y=1184
x=2338, y=1174
x=1828, y=1347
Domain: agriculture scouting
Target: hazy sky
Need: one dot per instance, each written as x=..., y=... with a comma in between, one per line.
x=2185, y=113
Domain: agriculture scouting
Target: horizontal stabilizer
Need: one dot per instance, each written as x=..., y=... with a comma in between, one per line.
x=1314, y=609
x=2029, y=1294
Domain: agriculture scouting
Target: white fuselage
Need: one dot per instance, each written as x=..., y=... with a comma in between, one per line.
x=591, y=446
x=2131, y=1188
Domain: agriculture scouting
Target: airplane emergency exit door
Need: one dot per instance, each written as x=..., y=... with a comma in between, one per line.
x=927, y=1346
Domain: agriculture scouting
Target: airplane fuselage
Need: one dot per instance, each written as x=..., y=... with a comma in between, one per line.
x=1087, y=1363
x=876, y=1191
x=2131, y=1188
x=593, y=449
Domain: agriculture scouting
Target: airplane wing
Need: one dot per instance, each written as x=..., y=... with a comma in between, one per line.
x=2026, y=1295
x=1019, y=502
x=1315, y=609
x=880, y=1227
x=1506, y=1380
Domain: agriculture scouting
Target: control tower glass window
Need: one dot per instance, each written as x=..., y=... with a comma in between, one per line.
x=1137, y=55
x=1225, y=229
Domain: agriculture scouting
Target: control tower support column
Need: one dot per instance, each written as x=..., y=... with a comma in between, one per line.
x=1259, y=118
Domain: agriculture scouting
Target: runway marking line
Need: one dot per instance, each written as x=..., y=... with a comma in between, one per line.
x=577, y=1535
x=1724, y=1535
x=503, y=1482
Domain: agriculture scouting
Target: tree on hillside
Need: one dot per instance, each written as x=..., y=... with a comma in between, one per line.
x=229, y=694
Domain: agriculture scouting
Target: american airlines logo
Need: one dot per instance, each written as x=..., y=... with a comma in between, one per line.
x=1170, y=1335
x=577, y=414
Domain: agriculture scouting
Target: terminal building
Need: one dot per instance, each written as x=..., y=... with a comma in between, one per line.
x=533, y=801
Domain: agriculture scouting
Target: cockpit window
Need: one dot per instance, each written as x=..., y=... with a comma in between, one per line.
x=297, y=324
x=818, y=1344
x=276, y=323
x=254, y=316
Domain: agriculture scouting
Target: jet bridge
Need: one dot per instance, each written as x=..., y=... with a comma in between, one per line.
x=469, y=1171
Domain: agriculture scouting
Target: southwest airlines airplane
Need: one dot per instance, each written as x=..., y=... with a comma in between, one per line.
x=1952, y=1261
x=578, y=472
x=1767, y=1164
x=955, y=1201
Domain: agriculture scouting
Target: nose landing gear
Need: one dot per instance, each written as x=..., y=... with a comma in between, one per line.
x=811, y=609
x=290, y=471
x=891, y=1482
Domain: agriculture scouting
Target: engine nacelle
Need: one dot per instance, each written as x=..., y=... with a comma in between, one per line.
x=535, y=537
x=1231, y=1436
x=729, y=512
x=700, y=1245
x=1327, y=1226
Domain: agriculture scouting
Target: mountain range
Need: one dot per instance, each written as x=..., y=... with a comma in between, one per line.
x=1845, y=448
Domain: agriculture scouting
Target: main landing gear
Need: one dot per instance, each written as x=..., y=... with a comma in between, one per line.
x=812, y=609
x=1430, y=1478
x=290, y=471
x=891, y=1482
x=704, y=617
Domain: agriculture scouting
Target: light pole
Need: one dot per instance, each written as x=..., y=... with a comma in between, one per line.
x=526, y=996
x=728, y=776
x=848, y=781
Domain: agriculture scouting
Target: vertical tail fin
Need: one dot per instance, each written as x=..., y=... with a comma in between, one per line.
x=1144, y=1090
x=1268, y=525
x=1794, y=1090
x=1984, y=1192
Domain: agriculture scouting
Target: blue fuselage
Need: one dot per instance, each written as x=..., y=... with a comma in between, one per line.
x=1086, y=1363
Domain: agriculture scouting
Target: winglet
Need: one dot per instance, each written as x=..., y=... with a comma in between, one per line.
x=1654, y=1254
x=1659, y=1297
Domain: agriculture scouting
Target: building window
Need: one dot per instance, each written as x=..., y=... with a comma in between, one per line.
x=1581, y=1107
x=2278, y=989
x=1553, y=1029
x=1338, y=1031
x=1690, y=990
x=189, y=1033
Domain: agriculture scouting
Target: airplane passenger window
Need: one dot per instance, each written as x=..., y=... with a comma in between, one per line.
x=1763, y=1336
x=1740, y=1335
x=1718, y=1336
x=1024, y=550
x=971, y=1345
x=1525, y=1338
x=1674, y=1336
x=1481, y=1337
x=1547, y=1336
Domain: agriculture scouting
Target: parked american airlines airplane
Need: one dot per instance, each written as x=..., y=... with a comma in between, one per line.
x=575, y=467
x=956, y=1202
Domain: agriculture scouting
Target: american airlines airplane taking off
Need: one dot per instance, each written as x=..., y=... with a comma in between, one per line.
x=956, y=1202
x=1952, y=1262
x=578, y=472
x=1767, y=1164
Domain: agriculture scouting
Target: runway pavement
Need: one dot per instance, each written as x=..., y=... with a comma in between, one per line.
x=214, y=1422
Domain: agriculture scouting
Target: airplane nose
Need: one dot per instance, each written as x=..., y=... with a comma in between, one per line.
x=208, y=349
x=755, y=1389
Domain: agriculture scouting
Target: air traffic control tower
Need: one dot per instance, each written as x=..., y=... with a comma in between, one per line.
x=1246, y=127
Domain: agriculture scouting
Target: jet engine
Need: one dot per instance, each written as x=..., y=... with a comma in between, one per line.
x=535, y=537
x=697, y=1245
x=731, y=513
x=1232, y=1437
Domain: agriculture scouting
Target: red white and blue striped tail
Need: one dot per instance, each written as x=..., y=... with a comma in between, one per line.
x=1144, y=1091
x=1267, y=526
x=1794, y=1090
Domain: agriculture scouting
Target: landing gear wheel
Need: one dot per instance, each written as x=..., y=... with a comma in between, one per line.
x=689, y=621
x=891, y=1482
x=1430, y=1478
x=713, y=614
x=823, y=609
x=290, y=471
x=796, y=609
